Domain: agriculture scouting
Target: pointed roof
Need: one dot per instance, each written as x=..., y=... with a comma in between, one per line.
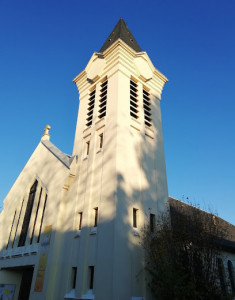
x=121, y=31
x=63, y=157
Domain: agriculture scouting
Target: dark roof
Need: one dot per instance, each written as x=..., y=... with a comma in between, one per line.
x=180, y=208
x=121, y=31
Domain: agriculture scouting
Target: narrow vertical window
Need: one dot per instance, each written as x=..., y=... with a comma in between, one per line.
x=87, y=147
x=91, y=283
x=27, y=215
x=40, y=229
x=231, y=275
x=74, y=277
x=90, y=109
x=135, y=217
x=147, y=108
x=101, y=140
x=96, y=217
x=36, y=215
x=152, y=222
x=221, y=275
x=80, y=221
x=103, y=99
x=134, y=111
x=18, y=223
x=13, y=221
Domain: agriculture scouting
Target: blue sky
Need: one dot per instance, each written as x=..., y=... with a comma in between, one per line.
x=45, y=44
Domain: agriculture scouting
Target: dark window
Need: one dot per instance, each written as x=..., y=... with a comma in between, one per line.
x=135, y=217
x=40, y=229
x=231, y=275
x=91, y=284
x=101, y=140
x=152, y=222
x=74, y=277
x=27, y=215
x=87, y=147
x=221, y=275
x=96, y=216
x=80, y=221
x=35, y=220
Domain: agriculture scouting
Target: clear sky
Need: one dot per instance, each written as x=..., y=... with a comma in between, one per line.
x=45, y=44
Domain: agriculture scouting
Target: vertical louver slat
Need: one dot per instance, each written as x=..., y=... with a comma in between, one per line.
x=90, y=109
x=147, y=108
x=134, y=112
x=103, y=99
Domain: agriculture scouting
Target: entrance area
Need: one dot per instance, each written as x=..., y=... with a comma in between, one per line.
x=26, y=281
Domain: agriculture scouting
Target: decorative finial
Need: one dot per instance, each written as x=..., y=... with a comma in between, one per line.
x=46, y=135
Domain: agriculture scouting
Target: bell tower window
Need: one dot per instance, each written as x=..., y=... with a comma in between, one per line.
x=90, y=109
x=103, y=99
x=134, y=112
x=147, y=108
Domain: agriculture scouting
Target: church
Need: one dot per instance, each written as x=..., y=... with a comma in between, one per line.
x=71, y=225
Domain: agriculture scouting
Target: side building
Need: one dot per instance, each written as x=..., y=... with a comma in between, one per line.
x=222, y=232
x=70, y=227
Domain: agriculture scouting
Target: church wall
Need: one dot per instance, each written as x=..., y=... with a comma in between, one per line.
x=51, y=175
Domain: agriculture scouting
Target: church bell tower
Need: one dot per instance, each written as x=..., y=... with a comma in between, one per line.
x=120, y=181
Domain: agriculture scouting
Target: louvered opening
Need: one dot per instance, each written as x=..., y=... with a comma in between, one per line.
x=147, y=108
x=103, y=99
x=89, y=118
x=90, y=109
x=134, y=112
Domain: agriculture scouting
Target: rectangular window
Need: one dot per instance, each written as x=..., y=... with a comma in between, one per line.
x=80, y=221
x=152, y=222
x=103, y=99
x=90, y=109
x=101, y=139
x=91, y=283
x=74, y=277
x=96, y=217
x=147, y=108
x=134, y=110
x=135, y=217
x=87, y=147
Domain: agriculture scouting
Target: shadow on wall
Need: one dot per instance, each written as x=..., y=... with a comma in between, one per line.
x=143, y=188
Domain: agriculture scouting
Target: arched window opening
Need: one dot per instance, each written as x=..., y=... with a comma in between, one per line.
x=231, y=275
x=27, y=215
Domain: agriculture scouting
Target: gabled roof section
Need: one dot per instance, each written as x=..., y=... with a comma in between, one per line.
x=121, y=31
x=63, y=157
x=180, y=208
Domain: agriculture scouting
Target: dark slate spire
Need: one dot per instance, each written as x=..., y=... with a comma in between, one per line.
x=121, y=31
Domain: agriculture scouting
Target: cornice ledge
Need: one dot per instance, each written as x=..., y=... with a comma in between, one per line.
x=79, y=76
x=122, y=44
x=160, y=75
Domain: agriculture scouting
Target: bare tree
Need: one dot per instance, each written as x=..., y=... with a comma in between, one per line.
x=182, y=255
